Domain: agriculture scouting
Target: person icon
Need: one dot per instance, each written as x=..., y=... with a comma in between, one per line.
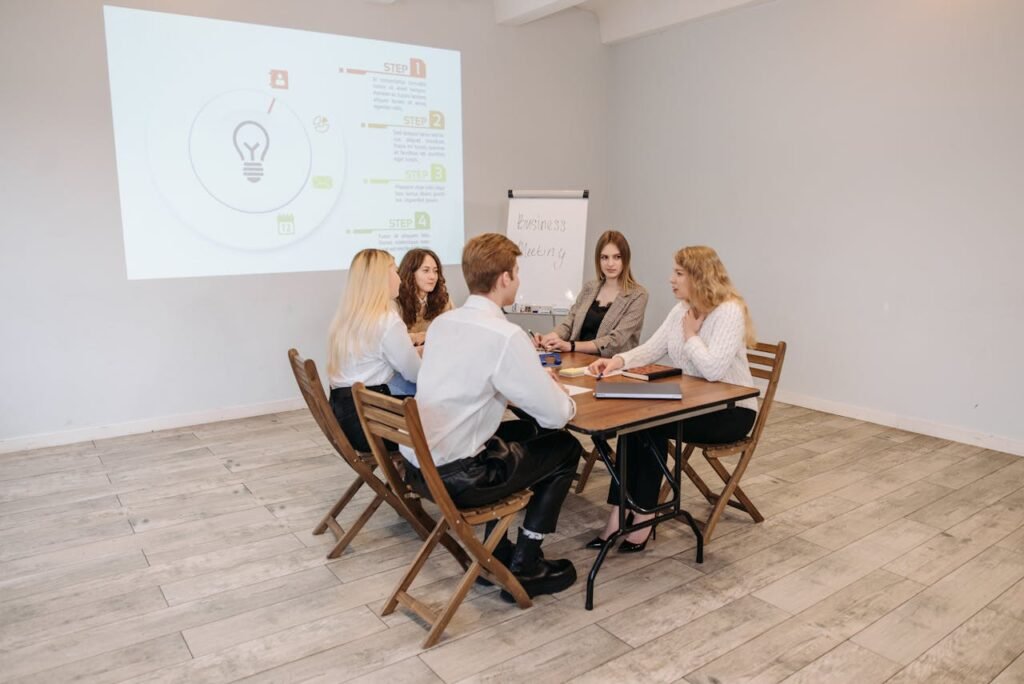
x=279, y=79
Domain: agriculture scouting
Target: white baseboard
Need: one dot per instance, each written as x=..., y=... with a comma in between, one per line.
x=136, y=427
x=908, y=423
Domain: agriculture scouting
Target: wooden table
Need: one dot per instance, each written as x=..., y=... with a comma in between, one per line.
x=602, y=419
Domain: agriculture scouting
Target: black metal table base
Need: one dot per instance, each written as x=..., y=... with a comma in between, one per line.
x=669, y=510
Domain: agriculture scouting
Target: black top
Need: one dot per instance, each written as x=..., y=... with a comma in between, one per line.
x=592, y=321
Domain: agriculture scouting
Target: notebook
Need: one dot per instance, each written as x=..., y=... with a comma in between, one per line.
x=634, y=390
x=651, y=371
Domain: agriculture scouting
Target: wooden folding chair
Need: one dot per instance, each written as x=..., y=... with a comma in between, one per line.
x=405, y=502
x=385, y=417
x=765, y=363
x=589, y=458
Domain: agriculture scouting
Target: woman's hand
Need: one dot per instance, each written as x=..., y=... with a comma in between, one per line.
x=602, y=366
x=549, y=341
x=692, y=323
x=418, y=338
x=559, y=345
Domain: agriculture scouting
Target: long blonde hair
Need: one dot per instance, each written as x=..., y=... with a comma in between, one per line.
x=710, y=284
x=365, y=302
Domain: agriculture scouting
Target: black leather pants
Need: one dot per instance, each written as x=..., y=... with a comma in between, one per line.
x=344, y=408
x=643, y=476
x=519, y=456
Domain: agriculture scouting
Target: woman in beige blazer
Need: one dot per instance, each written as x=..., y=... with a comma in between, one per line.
x=609, y=312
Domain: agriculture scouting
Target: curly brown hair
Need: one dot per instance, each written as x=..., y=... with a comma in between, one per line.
x=408, y=294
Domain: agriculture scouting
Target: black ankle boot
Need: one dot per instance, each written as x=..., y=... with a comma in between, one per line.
x=536, y=574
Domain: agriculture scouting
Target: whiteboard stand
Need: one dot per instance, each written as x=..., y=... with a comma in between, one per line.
x=550, y=228
x=538, y=323
x=548, y=194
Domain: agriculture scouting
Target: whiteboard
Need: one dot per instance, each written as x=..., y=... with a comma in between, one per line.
x=551, y=231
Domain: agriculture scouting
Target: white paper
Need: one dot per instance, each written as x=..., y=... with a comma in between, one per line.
x=606, y=374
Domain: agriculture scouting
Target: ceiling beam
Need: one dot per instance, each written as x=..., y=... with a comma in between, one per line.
x=624, y=19
x=518, y=12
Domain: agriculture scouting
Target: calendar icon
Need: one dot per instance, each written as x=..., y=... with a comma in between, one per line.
x=286, y=224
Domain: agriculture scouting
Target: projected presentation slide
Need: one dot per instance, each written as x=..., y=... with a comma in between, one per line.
x=253, y=149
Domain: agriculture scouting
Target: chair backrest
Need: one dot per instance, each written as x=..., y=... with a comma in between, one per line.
x=765, y=363
x=385, y=417
x=313, y=392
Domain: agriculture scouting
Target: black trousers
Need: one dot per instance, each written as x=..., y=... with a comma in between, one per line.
x=344, y=408
x=643, y=474
x=521, y=455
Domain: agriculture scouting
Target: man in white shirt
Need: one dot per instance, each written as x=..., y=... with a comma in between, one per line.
x=475, y=362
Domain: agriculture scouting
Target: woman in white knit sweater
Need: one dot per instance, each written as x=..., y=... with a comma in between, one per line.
x=705, y=334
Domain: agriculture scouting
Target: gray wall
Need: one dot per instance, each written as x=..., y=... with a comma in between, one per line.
x=859, y=166
x=856, y=162
x=84, y=352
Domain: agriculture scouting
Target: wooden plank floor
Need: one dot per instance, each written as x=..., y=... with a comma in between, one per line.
x=187, y=556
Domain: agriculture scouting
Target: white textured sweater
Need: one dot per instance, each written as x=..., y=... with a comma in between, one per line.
x=717, y=352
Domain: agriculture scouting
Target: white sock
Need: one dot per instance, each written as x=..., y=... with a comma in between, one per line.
x=532, y=535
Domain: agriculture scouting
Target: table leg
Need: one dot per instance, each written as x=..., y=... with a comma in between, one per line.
x=673, y=508
x=678, y=493
x=675, y=481
x=604, y=451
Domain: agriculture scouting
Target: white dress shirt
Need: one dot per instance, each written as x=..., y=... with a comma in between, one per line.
x=717, y=352
x=474, y=363
x=390, y=350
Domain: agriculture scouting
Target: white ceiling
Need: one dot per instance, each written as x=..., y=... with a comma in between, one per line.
x=619, y=19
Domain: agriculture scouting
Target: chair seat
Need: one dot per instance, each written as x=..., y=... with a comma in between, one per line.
x=368, y=457
x=498, y=509
x=720, y=450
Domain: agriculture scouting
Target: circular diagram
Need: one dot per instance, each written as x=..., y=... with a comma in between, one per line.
x=251, y=160
x=252, y=175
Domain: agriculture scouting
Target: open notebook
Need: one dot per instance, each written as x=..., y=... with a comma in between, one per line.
x=636, y=390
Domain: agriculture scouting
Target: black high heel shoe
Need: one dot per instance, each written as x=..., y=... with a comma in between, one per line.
x=629, y=547
x=597, y=542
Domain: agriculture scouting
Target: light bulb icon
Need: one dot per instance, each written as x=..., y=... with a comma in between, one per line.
x=256, y=141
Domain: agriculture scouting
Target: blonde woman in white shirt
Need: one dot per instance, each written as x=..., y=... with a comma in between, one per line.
x=368, y=340
x=706, y=334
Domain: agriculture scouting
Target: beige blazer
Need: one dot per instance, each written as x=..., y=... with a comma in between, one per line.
x=620, y=329
x=421, y=324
